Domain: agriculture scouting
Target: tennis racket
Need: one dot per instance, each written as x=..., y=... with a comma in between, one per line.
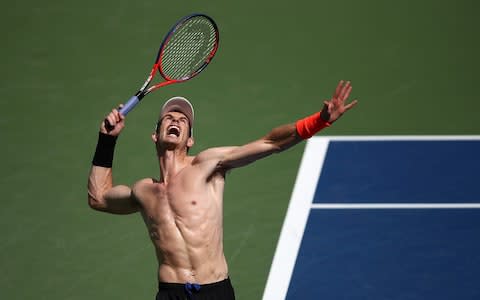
x=185, y=51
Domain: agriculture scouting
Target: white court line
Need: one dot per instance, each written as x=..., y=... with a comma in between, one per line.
x=374, y=138
x=300, y=205
x=394, y=205
x=295, y=220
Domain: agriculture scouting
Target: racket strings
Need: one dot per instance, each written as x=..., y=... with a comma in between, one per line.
x=188, y=48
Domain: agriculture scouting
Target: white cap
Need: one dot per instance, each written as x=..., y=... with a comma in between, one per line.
x=179, y=104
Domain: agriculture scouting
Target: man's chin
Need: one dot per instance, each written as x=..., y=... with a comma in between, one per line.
x=170, y=143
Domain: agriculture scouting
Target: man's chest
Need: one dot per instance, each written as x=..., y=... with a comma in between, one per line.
x=177, y=199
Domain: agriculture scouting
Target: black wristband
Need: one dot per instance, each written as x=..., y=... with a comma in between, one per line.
x=104, y=153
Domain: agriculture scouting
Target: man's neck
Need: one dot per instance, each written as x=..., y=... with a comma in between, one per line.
x=171, y=162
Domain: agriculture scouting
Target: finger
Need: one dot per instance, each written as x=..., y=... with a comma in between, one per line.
x=119, y=113
x=347, y=93
x=327, y=104
x=325, y=114
x=111, y=122
x=351, y=105
x=344, y=90
x=111, y=119
x=338, y=89
x=116, y=114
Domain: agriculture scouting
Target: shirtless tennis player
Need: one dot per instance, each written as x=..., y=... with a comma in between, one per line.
x=183, y=209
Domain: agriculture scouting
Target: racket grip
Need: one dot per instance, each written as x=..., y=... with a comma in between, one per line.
x=127, y=107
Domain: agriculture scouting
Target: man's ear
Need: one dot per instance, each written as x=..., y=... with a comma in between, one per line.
x=154, y=137
x=190, y=142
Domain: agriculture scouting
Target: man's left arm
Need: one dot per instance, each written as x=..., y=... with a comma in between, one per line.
x=283, y=137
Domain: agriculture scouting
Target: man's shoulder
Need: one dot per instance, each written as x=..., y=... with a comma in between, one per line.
x=148, y=180
x=142, y=188
x=214, y=153
x=144, y=183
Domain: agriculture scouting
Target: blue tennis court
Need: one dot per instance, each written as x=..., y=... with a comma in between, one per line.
x=382, y=218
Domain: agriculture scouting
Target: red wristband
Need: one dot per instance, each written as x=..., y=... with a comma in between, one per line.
x=308, y=126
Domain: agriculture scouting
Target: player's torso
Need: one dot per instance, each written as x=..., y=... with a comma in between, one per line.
x=184, y=218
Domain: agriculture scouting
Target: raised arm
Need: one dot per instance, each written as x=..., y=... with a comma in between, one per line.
x=102, y=195
x=277, y=140
x=285, y=136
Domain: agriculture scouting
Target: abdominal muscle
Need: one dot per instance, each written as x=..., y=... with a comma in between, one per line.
x=195, y=256
x=197, y=266
x=187, y=235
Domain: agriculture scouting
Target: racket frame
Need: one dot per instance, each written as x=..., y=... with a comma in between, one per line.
x=143, y=91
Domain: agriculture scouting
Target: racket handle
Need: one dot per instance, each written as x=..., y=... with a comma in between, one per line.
x=127, y=107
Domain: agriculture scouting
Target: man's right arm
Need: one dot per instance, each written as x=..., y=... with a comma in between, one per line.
x=105, y=197
x=102, y=195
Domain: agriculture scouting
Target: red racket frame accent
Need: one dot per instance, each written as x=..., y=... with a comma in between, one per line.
x=158, y=62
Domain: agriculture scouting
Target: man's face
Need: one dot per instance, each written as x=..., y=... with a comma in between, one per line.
x=174, y=130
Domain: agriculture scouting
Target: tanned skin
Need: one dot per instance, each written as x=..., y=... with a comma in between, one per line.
x=183, y=208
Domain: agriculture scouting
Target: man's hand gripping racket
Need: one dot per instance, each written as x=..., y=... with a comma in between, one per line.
x=185, y=51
